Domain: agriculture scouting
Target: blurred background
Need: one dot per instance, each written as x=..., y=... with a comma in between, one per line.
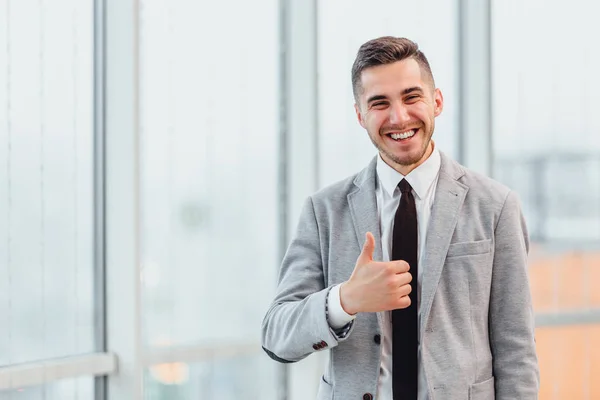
x=154, y=155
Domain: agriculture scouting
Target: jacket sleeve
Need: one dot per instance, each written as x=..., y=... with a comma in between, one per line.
x=511, y=319
x=296, y=323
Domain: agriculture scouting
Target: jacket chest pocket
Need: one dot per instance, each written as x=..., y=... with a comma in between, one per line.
x=463, y=249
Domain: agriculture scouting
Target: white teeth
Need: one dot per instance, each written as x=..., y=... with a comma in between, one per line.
x=404, y=135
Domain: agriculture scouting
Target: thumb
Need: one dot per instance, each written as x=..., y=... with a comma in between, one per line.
x=366, y=256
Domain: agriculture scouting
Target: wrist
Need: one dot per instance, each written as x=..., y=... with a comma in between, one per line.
x=346, y=299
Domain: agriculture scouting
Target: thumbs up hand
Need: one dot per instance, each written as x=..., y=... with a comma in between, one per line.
x=376, y=286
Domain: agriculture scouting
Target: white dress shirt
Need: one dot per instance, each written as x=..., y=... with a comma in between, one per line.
x=423, y=181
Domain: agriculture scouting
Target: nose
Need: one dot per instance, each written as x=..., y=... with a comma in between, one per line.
x=399, y=114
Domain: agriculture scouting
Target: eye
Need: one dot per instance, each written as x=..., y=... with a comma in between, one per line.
x=412, y=98
x=379, y=104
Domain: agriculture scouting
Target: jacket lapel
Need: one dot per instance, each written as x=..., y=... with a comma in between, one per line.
x=449, y=197
x=363, y=208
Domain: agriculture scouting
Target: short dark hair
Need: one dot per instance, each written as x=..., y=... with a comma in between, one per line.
x=386, y=50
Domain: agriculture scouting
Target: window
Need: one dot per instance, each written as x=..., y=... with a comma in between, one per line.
x=46, y=181
x=546, y=147
x=208, y=138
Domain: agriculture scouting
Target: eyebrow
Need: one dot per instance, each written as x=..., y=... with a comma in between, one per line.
x=411, y=90
x=404, y=93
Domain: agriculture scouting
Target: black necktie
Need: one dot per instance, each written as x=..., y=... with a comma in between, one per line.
x=404, y=322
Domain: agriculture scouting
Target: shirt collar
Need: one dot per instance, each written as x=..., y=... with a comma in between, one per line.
x=420, y=178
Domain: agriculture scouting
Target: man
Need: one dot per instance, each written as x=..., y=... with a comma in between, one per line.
x=435, y=304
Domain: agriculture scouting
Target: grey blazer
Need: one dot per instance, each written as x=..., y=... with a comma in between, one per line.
x=477, y=325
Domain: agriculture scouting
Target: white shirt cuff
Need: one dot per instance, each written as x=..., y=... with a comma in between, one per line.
x=337, y=317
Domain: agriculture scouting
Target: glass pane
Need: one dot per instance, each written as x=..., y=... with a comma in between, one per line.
x=46, y=180
x=546, y=147
x=240, y=378
x=209, y=133
x=67, y=389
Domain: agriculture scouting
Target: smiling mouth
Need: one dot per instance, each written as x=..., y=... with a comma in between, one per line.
x=401, y=136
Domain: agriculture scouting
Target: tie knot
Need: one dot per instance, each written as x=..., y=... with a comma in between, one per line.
x=404, y=186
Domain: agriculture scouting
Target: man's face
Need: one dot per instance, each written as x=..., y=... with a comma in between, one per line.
x=397, y=106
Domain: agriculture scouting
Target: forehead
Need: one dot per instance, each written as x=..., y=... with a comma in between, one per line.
x=391, y=78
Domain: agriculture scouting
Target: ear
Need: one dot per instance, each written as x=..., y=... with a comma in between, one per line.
x=359, y=116
x=438, y=102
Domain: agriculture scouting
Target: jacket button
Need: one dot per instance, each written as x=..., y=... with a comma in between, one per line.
x=323, y=344
x=377, y=339
x=367, y=396
x=316, y=347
